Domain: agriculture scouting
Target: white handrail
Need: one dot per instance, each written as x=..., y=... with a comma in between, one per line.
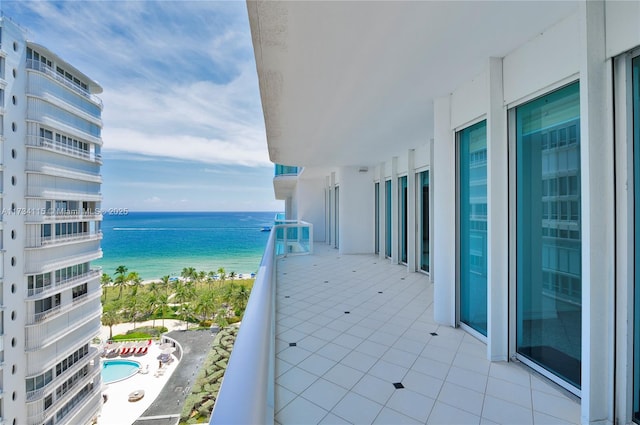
x=250, y=373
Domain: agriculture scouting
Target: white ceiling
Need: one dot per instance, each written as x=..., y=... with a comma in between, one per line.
x=353, y=82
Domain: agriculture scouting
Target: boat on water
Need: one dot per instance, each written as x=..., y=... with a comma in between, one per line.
x=265, y=229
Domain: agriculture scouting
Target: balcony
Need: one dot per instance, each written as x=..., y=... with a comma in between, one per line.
x=55, y=146
x=286, y=170
x=355, y=342
x=47, y=241
x=285, y=181
x=49, y=288
x=45, y=69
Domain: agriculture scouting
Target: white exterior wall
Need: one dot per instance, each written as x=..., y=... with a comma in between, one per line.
x=310, y=197
x=14, y=344
x=355, y=210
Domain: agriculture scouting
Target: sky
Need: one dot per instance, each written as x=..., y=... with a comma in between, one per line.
x=183, y=128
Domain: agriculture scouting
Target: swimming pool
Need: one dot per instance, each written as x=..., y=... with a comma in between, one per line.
x=117, y=370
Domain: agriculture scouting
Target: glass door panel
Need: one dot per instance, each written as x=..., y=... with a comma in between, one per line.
x=472, y=151
x=376, y=213
x=548, y=233
x=402, y=214
x=387, y=218
x=424, y=220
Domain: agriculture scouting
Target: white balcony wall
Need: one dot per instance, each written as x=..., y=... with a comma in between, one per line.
x=61, y=329
x=49, y=187
x=311, y=205
x=542, y=63
x=40, y=85
x=623, y=31
x=355, y=210
x=41, y=160
x=58, y=256
x=49, y=357
x=39, y=110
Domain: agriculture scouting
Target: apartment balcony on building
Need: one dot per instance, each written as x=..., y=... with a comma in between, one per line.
x=41, y=286
x=62, y=147
x=79, y=325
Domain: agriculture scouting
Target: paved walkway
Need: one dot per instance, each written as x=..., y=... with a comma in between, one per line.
x=166, y=408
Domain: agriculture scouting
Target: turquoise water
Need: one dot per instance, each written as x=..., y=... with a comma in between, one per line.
x=156, y=244
x=117, y=370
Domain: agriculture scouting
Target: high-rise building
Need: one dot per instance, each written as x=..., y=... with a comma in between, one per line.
x=50, y=233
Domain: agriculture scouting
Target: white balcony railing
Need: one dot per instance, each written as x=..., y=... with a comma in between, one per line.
x=53, y=145
x=63, y=284
x=250, y=371
x=61, y=239
x=46, y=69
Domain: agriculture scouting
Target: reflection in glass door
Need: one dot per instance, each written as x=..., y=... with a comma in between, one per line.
x=423, y=185
x=337, y=218
x=472, y=151
x=548, y=238
x=387, y=218
x=402, y=214
x=376, y=213
x=636, y=282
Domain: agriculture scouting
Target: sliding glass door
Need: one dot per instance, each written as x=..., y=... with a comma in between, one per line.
x=387, y=218
x=402, y=215
x=376, y=213
x=423, y=187
x=472, y=225
x=548, y=234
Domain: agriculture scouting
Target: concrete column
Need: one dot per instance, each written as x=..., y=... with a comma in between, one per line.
x=356, y=211
x=624, y=242
x=597, y=174
x=443, y=174
x=383, y=212
x=498, y=217
x=412, y=227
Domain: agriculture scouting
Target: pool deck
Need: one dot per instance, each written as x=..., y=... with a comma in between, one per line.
x=118, y=409
x=164, y=395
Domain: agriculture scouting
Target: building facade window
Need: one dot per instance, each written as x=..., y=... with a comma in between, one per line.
x=423, y=185
x=548, y=239
x=336, y=193
x=402, y=215
x=472, y=212
x=387, y=218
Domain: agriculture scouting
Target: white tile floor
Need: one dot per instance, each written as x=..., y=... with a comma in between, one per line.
x=360, y=325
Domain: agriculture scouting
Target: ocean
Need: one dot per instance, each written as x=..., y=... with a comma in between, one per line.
x=156, y=244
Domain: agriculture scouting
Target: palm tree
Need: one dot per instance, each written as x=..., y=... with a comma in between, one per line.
x=240, y=298
x=222, y=274
x=189, y=273
x=134, y=280
x=105, y=281
x=120, y=279
x=164, y=281
x=111, y=318
x=232, y=276
x=151, y=304
x=185, y=292
x=206, y=305
x=162, y=306
x=186, y=312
